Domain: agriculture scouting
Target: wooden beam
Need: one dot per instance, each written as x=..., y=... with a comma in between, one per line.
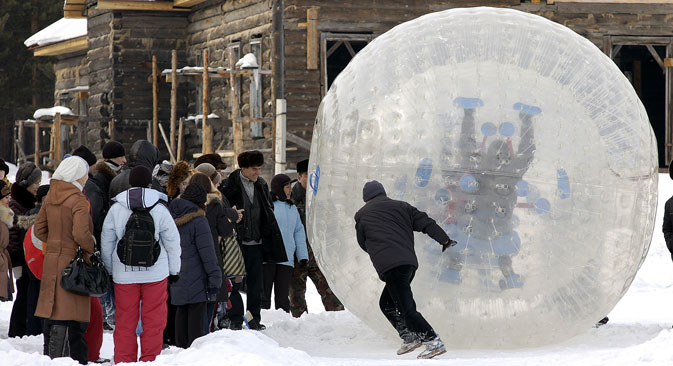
x=37, y=144
x=233, y=99
x=614, y=2
x=668, y=62
x=656, y=57
x=180, y=128
x=306, y=145
x=73, y=14
x=170, y=151
x=61, y=48
x=138, y=5
x=207, y=147
x=312, y=38
x=57, y=138
x=174, y=98
x=187, y=3
x=155, y=102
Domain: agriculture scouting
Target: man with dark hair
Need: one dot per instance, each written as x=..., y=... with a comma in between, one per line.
x=142, y=153
x=385, y=230
x=258, y=233
x=299, y=273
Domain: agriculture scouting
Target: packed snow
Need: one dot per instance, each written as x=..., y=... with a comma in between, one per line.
x=639, y=333
x=249, y=61
x=44, y=112
x=61, y=30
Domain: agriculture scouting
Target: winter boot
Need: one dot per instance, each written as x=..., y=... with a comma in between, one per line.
x=433, y=347
x=58, y=341
x=602, y=322
x=410, y=343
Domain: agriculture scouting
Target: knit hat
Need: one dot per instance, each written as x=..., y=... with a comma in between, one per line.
x=71, y=169
x=302, y=166
x=213, y=159
x=372, y=189
x=278, y=182
x=195, y=194
x=4, y=166
x=252, y=158
x=42, y=192
x=209, y=170
x=113, y=149
x=86, y=154
x=4, y=189
x=28, y=174
x=140, y=176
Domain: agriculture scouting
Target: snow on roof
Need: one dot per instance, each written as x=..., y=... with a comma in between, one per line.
x=249, y=61
x=200, y=116
x=62, y=30
x=78, y=88
x=194, y=69
x=42, y=112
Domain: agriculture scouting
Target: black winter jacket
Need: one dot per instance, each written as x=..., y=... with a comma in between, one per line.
x=97, y=203
x=142, y=153
x=200, y=273
x=272, y=240
x=385, y=230
x=668, y=225
x=222, y=221
x=22, y=201
x=102, y=177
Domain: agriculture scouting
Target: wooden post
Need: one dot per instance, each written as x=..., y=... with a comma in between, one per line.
x=111, y=129
x=280, y=137
x=233, y=99
x=182, y=123
x=57, y=138
x=37, y=143
x=21, y=141
x=312, y=38
x=174, y=96
x=170, y=151
x=155, y=103
x=207, y=147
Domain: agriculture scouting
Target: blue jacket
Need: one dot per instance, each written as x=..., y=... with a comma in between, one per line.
x=292, y=230
x=166, y=233
x=201, y=274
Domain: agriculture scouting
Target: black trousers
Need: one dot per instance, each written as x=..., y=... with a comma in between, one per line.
x=33, y=323
x=398, y=305
x=277, y=277
x=17, y=321
x=253, y=257
x=74, y=339
x=169, y=331
x=189, y=323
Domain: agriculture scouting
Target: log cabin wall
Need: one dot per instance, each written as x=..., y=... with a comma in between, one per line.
x=217, y=26
x=71, y=70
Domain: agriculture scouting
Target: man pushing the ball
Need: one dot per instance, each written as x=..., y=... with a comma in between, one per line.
x=385, y=230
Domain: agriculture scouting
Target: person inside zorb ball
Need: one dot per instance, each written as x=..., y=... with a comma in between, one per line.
x=524, y=142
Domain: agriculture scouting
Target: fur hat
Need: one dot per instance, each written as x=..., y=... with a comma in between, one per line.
x=372, y=189
x=195, y=194
x=209, y=170
x=179, y=173
x=277, y=184
x=4, y=166
x=4, y=189
x=213, y=159
x=86, y=154
x=302, y=166
x=28, y=174
x=140, y=176
x=252, y=158
x=113, y=149
x=71, y=169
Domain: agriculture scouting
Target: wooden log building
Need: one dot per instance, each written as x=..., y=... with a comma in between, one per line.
x=305, y=44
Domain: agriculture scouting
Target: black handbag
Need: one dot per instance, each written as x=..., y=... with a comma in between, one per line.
x=84, y=279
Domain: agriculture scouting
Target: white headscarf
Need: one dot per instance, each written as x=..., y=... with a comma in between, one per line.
x=71, y=169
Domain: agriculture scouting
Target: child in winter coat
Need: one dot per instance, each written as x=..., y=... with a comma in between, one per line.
x=201, y=276
x=277, y=276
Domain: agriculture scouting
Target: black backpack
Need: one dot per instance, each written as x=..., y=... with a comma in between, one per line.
x=138, y=247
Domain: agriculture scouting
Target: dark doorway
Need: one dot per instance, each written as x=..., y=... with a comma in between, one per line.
x=338, y=49
x=649, y=81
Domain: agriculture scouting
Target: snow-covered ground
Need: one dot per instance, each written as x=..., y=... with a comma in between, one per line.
x=639, y=333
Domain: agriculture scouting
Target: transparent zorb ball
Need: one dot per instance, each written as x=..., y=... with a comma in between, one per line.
x=526, y=144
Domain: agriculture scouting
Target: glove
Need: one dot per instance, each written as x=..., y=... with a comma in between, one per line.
x=211, y=294
x=173, y=279
x=449, y=243
x=303, y=263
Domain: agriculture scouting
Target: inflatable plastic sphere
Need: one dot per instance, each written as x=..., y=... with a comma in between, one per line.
x=523, y=140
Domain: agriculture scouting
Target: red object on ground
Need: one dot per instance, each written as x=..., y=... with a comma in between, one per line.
x=154, y=313
x=94, y=333
x=34, y=253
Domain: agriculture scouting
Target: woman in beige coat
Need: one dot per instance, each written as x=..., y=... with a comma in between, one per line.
x=64, y=224
x=6, y=221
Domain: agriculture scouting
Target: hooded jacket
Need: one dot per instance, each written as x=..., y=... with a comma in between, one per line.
x=103, y=175
x=201, y=275
x=165, y=232
x=63, y=223
x=142, y=153
x=272, y=239
x=6, y=222
x=294, y=236
x=385, y=230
